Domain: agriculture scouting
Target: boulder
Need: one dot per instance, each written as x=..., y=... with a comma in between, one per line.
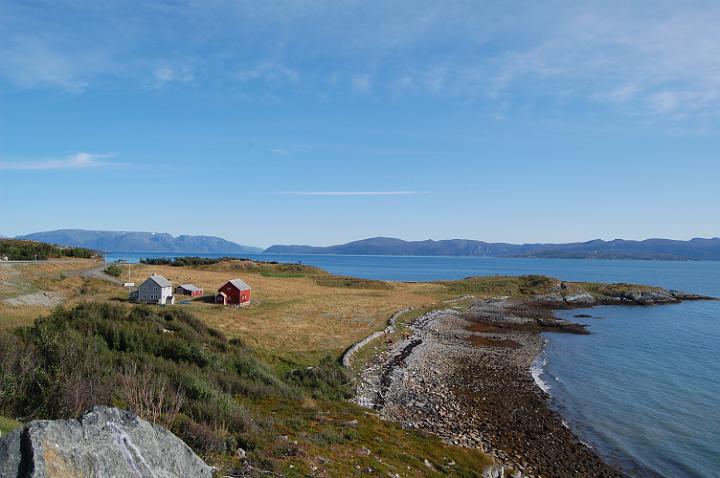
x=104, y=442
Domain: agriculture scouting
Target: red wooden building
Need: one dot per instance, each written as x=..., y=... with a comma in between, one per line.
x=235, y=292
x=189, y=289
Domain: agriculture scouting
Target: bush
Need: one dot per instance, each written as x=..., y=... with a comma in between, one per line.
x=114, y=270
x=327, y=381
x=164, y=365
x=188, y=261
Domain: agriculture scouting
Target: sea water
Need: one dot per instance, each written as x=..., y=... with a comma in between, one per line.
x=643, y=389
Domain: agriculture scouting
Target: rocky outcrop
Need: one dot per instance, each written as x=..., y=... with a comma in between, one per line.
x=102, y=443
x=574, y=295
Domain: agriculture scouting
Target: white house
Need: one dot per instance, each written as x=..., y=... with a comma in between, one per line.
x=155, y=290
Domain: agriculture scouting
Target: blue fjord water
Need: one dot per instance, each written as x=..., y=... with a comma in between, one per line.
x=643, y=389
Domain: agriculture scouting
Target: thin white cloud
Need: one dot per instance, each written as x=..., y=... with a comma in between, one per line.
x=74, y=161
x=268, y=71
x=164, y=75
x=282, y=152
x=361, y=83
x=350, y=193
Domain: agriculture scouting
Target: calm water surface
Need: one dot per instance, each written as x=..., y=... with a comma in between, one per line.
x=643, y=389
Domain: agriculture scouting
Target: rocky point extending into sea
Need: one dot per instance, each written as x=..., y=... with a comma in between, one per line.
x=464, y=373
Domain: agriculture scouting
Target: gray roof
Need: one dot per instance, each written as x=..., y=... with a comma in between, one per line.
x=240, y=284
x=160, y=280
x=190, y=287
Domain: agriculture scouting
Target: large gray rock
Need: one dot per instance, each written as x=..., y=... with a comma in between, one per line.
x=105, y=442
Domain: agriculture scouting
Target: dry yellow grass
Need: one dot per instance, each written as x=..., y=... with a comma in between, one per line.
x=294, y=314
x=294, y=310
x=288, y=313
x=61, y=278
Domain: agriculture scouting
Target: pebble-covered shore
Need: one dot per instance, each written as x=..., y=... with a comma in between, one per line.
x=465, y=376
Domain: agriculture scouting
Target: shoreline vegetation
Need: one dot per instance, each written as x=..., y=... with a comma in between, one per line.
x=262, y=389
x=21, y=250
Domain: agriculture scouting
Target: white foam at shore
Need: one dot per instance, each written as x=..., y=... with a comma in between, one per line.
x=536, y=370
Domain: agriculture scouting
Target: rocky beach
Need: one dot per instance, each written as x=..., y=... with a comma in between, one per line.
x=464, y=373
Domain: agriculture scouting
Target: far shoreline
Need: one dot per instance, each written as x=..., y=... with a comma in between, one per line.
x=244, y=255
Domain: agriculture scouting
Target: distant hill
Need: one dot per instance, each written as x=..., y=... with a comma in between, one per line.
x=139, y=242
x=650, y=249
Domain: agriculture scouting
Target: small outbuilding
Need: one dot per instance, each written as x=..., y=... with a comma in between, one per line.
x=189, y=289
x=234, y=292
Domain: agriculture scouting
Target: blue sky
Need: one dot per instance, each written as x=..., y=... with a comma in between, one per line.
x=327, y=121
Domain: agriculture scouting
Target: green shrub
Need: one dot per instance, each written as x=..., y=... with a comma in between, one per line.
x=189, y=374
x=328, y=381
x=188, y=261
x=114, y=270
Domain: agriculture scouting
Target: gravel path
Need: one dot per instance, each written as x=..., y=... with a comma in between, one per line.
x=42, y=299
x=98, y=272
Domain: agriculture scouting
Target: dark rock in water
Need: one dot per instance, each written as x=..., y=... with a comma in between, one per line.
x=105, y=442
x=582, y=316
x=559, y=325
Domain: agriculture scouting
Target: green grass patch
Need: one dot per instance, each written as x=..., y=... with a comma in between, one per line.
x=8, y=424
x=283, y=275
x=500, y=285
x=351, y=282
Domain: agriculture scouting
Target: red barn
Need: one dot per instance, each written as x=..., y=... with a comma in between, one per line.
x=235, y=292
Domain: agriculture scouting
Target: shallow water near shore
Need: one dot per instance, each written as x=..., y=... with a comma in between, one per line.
x=643, y=389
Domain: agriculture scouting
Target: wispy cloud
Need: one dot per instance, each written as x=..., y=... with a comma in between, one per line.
x=280, y=151
x=361, y=83
x=659, y=61
x=74, y=161
x=350, y=193
x=164, y=75
x=268, y=71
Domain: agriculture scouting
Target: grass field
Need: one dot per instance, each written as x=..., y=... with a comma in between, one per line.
x=305, y=313
x=297, y=312
x=299, y=317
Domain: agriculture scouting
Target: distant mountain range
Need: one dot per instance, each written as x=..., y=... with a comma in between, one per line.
x=124, y=241
x=650, y=249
